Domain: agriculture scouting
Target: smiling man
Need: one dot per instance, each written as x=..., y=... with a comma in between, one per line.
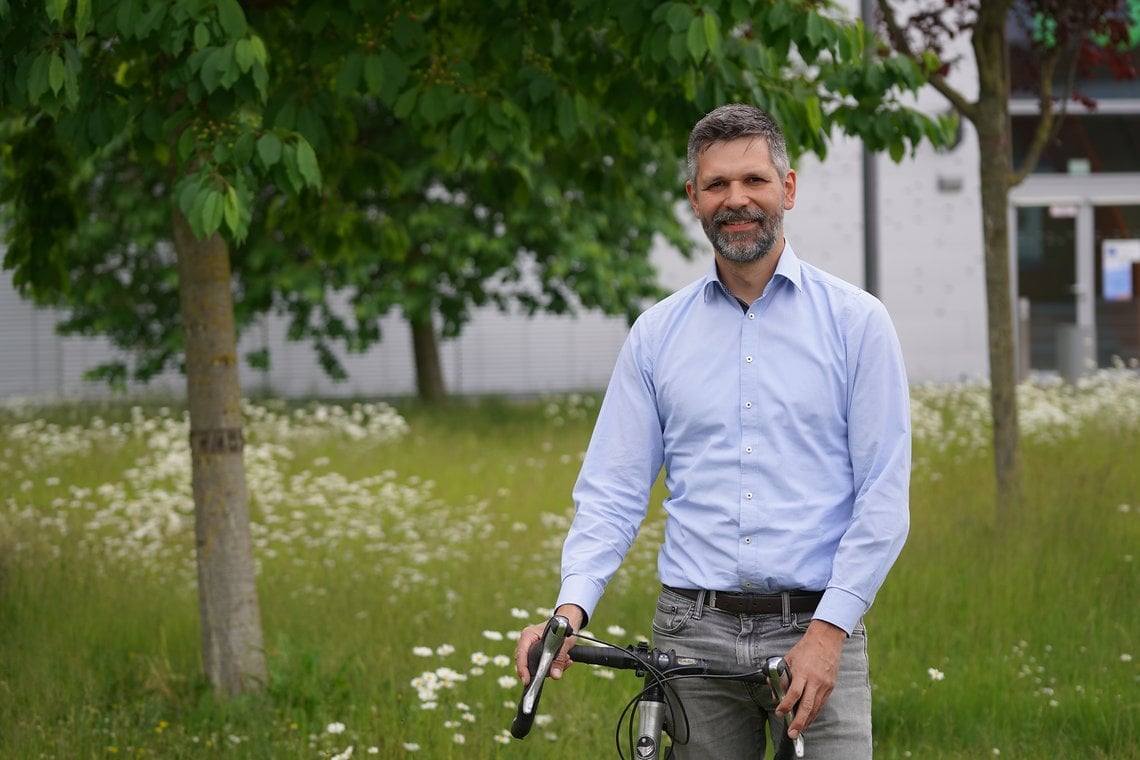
x=775, y=398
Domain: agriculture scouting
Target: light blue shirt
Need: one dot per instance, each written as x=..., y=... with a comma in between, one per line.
x=784, y=430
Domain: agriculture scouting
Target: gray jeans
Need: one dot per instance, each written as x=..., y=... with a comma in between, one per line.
x=725, y=720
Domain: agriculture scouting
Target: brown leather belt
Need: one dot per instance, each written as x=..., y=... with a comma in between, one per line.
x=753, y=604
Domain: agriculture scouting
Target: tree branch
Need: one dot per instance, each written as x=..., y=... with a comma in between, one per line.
x=1051, y=119
x=1044, y=130
x=900, y=43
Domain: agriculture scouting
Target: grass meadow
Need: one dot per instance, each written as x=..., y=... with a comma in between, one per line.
x=400, y=548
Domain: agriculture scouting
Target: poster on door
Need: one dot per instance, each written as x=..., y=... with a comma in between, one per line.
x=1117, y=258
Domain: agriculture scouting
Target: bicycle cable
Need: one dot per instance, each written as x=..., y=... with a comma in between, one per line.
x=660, y=679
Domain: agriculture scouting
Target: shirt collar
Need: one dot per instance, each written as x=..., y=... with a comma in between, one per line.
x=787, y=268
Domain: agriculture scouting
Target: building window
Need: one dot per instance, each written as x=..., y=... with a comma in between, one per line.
x=1087, y=143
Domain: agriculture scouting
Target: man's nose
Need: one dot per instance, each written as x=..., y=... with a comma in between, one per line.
x=737, y=197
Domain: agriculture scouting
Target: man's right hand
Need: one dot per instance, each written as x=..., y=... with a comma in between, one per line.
x=532, y=634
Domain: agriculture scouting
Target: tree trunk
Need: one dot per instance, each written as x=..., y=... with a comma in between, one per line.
x=232, y=652
x=429, y=373
x=992, y=123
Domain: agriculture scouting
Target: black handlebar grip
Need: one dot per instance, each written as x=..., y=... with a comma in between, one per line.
x=609, y=657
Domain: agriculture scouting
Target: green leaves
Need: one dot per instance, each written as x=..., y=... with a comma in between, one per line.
x=703, y=36
x=449, y=138
x=269, y=149
x=56, y=74
x=306, y=164
x=39, y=202
x=231, y=209
x=437, y=103
x=52, y=79
x=208, y=201
x=292, y=162
x=218, y=196
x=56, y=9
x=38, y=81
x=374, y=73
x=232, y=18
x=208, y=208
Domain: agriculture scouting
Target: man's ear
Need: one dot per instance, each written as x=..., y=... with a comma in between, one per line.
x=692, y=193
x=790, y=190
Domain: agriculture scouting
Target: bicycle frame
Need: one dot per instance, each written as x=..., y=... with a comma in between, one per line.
x=657, y=667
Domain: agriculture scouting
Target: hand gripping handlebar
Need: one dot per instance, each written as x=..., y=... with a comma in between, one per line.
x=541, y=658
x=778, y=666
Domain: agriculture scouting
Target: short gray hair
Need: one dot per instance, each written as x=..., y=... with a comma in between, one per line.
x=733, y=121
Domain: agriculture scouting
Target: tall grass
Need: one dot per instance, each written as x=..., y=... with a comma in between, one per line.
x=399, y=551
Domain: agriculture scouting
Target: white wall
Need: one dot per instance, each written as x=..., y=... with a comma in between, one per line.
x=497, y=354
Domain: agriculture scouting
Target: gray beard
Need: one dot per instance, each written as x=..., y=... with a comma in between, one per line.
x=744, y=247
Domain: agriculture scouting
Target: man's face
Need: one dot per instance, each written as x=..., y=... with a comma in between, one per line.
x=740, y=200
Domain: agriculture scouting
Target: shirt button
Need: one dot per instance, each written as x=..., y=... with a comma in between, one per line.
x=747, y=449
x=747, y=404
x=748, y=585
x=748, y=359
x=748, y=541
x=751, y=315
x=748, y=495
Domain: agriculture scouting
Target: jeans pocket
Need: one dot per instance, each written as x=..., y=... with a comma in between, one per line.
x=801, y=620
x=673, y=613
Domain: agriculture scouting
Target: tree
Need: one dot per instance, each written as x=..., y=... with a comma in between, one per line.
x=469, y=133
x=1069, y=37
x=553, y=133
x=166, y=97
x=161, y=186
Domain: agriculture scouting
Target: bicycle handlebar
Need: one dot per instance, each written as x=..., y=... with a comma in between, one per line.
x=669, y=663
x=541, y=657
x=666, y=664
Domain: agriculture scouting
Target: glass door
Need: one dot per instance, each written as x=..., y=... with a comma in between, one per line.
x=1046, y=275
x=1117, y=249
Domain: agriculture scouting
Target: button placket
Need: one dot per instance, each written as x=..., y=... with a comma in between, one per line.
x=750, y=436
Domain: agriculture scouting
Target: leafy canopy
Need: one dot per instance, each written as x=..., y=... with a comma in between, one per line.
x=365, y=156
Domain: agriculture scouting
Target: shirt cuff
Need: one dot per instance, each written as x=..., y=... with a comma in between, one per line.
x=840, y=608
x=582, y=591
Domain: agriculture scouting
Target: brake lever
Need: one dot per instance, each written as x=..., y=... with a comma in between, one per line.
x=541, y=657
x=776, y=668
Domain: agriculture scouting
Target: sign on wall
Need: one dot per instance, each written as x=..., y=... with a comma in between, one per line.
x=1117, y=258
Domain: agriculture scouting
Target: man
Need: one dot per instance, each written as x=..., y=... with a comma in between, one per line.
x=775, y=397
